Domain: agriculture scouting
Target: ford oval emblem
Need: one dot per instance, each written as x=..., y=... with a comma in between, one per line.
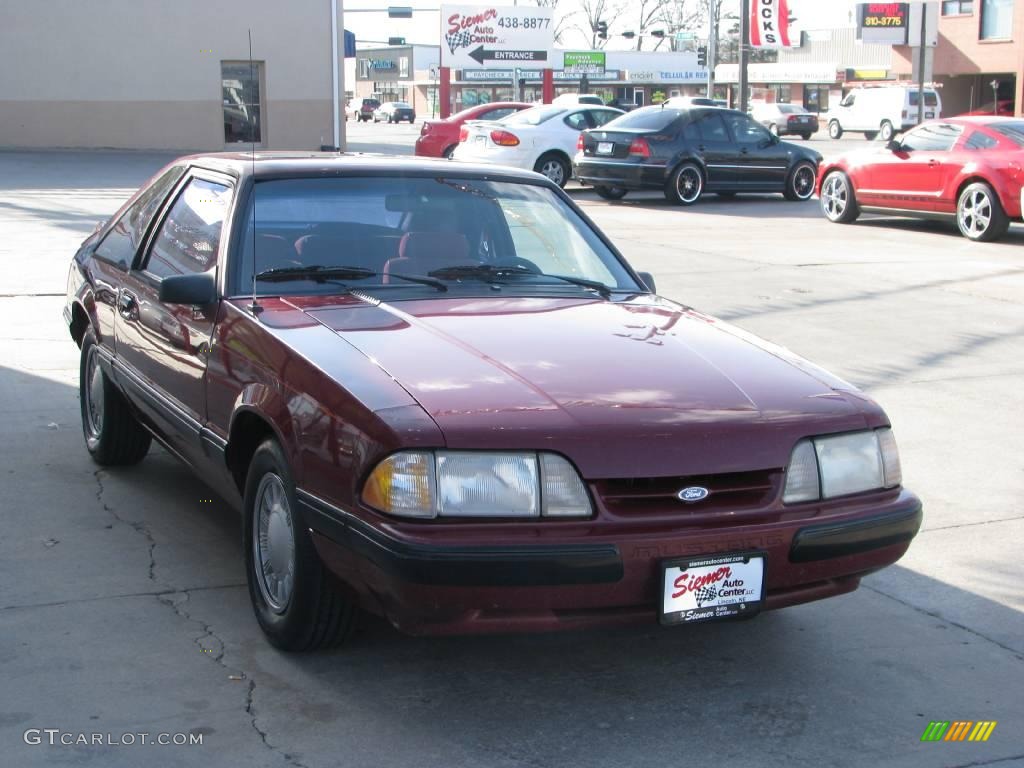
x=692, y=494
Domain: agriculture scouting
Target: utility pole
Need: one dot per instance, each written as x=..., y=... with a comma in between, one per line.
x=920, y=64
x=712, y=45
x=744, y=51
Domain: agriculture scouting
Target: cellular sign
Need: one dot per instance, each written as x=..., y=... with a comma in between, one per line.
x=485, y=36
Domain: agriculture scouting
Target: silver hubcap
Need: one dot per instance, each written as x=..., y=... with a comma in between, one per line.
x=554, y=171
x=803, y=182
x=93, y=393
x=688, y=185
x=273, y=543
x=975, y=212
x=834, y=196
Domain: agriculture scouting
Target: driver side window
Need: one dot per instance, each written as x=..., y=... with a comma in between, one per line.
x=577, y=121
x=931, y=137
x=189, y=237
x=848, y=101
x=746, y=131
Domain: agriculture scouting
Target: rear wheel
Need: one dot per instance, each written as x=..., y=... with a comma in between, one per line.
x=773, y=129
x=979, y=214
x=113, y=435
x=611, y=193
x=800, y=184
x=449, y=151
x=837, y=199
x=835, y=130
x=886, y=131
x=685, y=185
x=295, y=599
x=554, y=167
x=805, y=136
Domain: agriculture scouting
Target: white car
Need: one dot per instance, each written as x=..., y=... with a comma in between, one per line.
x=881, y=111
x=541, y=139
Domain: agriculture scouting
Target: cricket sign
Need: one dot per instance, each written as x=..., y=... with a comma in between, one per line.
x=769, y=24
x=496, y=36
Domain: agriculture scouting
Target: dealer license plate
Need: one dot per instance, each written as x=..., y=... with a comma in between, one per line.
x=605, y=147
x=712, y=587
x=481, y=139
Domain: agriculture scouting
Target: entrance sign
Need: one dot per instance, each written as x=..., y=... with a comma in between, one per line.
x=496, y=36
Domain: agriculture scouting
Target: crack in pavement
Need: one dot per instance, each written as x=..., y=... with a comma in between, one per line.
x=1015, y=652
x=155, y=593
x=968, y=525
x=988, y=762
x=207, y=640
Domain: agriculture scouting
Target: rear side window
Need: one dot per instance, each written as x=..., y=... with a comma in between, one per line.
x=123, y=240
x=1011, y=129
x=931, y=137
x=711, y=127
x=646, y=119
x=577, y=121
x=979, y=140
x=496, y=114
x=189, y=237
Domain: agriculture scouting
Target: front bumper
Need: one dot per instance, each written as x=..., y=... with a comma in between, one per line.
x=593, y=580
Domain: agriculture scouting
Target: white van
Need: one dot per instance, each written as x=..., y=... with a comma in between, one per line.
x=881, y=111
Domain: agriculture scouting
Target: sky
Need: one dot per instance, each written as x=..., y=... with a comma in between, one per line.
x=425, y=27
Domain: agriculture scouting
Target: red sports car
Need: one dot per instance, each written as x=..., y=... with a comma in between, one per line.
x=438, y=138
x=438, y=392
x=970, y=169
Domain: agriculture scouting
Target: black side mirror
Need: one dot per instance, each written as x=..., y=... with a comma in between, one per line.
x=197, y=290
x=648, y=280
x=893, y=144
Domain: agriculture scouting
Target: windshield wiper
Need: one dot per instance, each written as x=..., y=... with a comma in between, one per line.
x=321, y=274
x=494, y=272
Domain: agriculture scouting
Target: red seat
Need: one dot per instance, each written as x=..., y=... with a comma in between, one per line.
x=420, y=253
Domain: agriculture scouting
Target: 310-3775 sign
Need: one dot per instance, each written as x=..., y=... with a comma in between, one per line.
x=498, y=37
x=884, y=23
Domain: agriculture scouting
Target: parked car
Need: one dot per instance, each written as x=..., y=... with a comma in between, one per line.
x=362, y=109
x=965, y=169
x=359, y=373
x=685, y=102
x=687, y=152
x=1001, y=108
x=881, y=111
x=785, y=119
x=438, y=138
x=579, y=98
x=394, y=112
x=541, y=139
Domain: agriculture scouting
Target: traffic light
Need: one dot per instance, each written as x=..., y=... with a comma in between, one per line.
x=702, y=56
x=602, y=30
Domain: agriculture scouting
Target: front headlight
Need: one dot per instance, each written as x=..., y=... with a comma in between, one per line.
x=838, y=465
x=428, y=484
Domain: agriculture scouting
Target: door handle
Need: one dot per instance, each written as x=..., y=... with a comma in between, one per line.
x=932, y=163
x=127, y=305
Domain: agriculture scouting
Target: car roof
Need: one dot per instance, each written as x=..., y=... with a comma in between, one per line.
x=296, y=164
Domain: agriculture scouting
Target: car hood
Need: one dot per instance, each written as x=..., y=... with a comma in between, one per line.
x=612, y=384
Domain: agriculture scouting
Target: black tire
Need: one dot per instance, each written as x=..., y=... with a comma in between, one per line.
x=805, y=136
x=685, y=185
x=449, y=151
x=113, y=435
x=800, y=182
x=838, y=201
x=611, y=193
x=870, y=135
x=773, y=129
x=835, y=130
x=979, y=214
x=886, y=131
x=547, y=164
x=315, y=615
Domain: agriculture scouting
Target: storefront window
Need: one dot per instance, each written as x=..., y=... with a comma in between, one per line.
x=240, y=95
x=957, y=7
x=816, y=98
x=996, y=19
x=782, y=93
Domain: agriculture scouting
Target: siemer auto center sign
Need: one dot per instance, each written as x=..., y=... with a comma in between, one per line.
x=496, y=36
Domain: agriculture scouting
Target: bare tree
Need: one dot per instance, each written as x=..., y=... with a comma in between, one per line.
x=561, y=20
x=589, y=14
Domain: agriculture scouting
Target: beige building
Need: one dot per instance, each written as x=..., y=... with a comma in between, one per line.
x=148, y=74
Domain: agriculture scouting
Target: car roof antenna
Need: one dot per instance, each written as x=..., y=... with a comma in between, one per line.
x=254, y=308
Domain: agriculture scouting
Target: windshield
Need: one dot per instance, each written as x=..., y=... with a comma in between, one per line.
x=401, y=105
x=1011, y=129
x=395, y=226
x=645, y=119
x=532, y=116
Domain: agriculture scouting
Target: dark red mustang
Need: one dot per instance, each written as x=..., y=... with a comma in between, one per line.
x=439, y=393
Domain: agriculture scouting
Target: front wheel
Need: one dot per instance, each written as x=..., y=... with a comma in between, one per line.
x=113, y=435
x=685, y=185
x=773, y=129
x=835, y=130
x=886, y=131
x=837, y=199
x=870, y=135
x=295, y=601
x=449, y=151
x=980, y=215
x=554, y=167
x=800, y=184
x=611, y=193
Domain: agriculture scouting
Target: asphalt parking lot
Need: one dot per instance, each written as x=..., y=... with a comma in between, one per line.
x=122, y=599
